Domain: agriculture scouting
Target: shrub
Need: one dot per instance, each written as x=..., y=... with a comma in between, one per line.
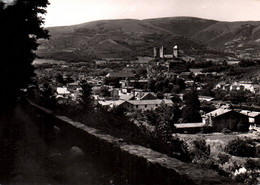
x=223, y=158
x=252, y=164
x=241, y=148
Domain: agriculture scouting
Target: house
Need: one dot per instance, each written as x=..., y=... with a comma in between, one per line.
x=149, y=104
x=206, y=98
x=100, y=62
x=223, y=86
x=197, y=71
x=74, y=86
x=254, y=116
x=123, y=75
x=186, y=75
x=62, y=92
x=122, y=93
x=243, y=85
x=171, y=75
x=189, y=83
x=141, y=95
x=148, y=96
x=131, y=105
x=190, y=127
x=220, y=119
x=143, y=83
x=111, y=103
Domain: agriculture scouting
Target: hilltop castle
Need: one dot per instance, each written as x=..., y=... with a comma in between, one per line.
x=160, y=52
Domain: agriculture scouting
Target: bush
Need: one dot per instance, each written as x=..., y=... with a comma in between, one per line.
x=241, y=148
x=252, y=164
x=223, y=158
x=200, y=151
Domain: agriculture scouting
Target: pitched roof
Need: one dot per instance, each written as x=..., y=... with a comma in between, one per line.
x=111, y=103
x=185, y=74
x=150, y=102
x=218, y=112
x=196, y=70
x=148, y=96
x=189, y=125
x=121, y=74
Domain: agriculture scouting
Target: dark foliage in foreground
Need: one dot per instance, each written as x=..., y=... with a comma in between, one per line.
x=20, y=29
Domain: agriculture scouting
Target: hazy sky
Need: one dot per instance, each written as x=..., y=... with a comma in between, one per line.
x=68, y=12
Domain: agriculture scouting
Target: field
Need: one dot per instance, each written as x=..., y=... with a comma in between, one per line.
x=218, y=141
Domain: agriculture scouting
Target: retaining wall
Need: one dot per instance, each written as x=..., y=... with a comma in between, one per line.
x=143, y=165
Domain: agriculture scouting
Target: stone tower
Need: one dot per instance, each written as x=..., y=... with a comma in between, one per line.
x=155, y=52
x=175, y=51
x=162, y=52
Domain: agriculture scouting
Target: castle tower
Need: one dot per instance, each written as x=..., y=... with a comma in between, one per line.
x=175, y=51
x=155, y=52
x=162, y=52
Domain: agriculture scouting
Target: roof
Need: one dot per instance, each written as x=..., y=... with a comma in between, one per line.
x=185, y=74
x=62, y=90
x=111, y=103
x=218, y=112
x=139, y=81
x=206, y=98
x=150, y=102
x=196, y=70
x=125, y=96
x=121, y=74
x=190, y=125
x=250, y=113
x=148, y=96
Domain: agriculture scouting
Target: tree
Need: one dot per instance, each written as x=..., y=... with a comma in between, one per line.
x=20, y=29
x=191, y=110
x=86, y=101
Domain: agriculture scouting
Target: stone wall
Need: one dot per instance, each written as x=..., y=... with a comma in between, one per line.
x=143, y=165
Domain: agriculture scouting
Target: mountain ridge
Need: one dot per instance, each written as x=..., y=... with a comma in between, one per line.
x=129, y=38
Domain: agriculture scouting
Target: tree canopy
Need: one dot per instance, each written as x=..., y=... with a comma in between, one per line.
x=21, y=27
x=191, y=110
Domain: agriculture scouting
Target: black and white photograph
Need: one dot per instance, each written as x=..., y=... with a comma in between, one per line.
x=130, y=92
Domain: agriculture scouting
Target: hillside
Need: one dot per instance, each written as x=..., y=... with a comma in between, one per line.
x=128, y=38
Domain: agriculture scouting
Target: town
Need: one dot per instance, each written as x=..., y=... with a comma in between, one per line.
x=217, y=100
x=106, y=93
x=149, y=82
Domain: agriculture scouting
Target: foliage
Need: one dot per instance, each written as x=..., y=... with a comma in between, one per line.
x=200, y=150
x=252, y=164
x=246, y=63
x=219, y=94
x=241, y=147
x=112, y=81
x=223, y=158
x=20, y=30
x=247, y=178
x=239, y=96
x=200, y=64
x=104, y=91
x=86, y=101
x=47, y=96
x=191, y=110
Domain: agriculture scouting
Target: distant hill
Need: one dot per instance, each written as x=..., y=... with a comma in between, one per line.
x=128, y=38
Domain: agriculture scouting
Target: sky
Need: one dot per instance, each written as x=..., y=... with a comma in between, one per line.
x=69, y=12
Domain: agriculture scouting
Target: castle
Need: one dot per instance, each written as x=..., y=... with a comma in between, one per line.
x=160, y=52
